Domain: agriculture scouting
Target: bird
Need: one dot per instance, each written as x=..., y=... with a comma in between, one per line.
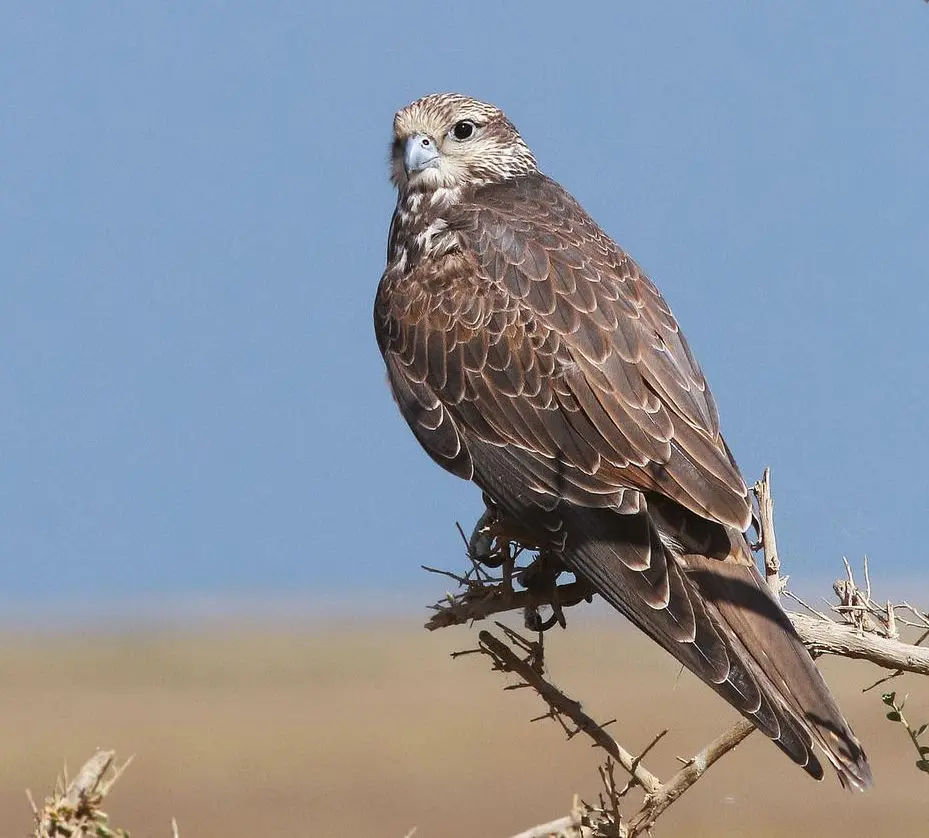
x=530, y=354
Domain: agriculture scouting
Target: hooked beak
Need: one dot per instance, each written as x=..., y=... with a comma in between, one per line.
x=420, y=153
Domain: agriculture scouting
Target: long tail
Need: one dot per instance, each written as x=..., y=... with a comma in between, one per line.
x=714, y=613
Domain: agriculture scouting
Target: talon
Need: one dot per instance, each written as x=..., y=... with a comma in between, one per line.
x=557, y=618
x=481, y=543
x=532, y=620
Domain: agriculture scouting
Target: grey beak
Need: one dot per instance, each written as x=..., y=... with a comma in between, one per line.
x=420, y=153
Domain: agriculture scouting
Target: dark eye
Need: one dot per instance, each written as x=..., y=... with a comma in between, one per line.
x=463, y=129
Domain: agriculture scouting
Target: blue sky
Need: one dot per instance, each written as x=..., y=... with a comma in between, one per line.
x=193, y=211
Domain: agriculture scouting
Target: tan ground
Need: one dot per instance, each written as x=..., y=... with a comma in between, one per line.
x=372, y=730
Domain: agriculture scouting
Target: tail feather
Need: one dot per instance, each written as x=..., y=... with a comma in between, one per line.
x=717, y=617
x=769, y=647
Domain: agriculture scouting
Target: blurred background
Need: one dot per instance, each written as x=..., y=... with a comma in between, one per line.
x=212, y=518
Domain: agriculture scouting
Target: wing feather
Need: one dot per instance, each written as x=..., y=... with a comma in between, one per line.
x=570, y=279
x=537, y=359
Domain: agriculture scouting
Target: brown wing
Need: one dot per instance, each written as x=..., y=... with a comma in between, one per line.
x=545, y=336
x=540, y=362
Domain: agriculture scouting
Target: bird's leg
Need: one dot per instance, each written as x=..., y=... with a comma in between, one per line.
x=542, y=576
x=497, y=539
x=557, y=611
x=489, y=545
x=509, y=561
x=481, y=542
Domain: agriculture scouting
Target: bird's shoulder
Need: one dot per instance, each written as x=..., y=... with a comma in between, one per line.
x=532, y=238
x=538, y=332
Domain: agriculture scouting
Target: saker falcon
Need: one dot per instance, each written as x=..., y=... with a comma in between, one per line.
x=530, y=354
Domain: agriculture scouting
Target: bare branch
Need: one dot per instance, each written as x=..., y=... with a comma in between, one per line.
x=74, y=809
x=688, y=775
x=862, y=629
x=508, y=661
x=496, y=599
x=827, y=637
x=658, y=796
x=820, y=635
x=570, y=826
x=91, y=779
x=772, y=560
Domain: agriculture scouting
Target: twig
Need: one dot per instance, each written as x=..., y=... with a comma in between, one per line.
x=896, y=715
x=74, y=808
x=570, y=826
x=613, y=795
x=508, y=661
x=658, y=796
x=496, y=599
x=803, y=603
x=896, y=673
x=688, y=775
x=772, y=561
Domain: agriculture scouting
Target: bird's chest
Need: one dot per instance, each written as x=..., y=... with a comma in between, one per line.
x=420, y=231
x=439, y=293
x=429, y=273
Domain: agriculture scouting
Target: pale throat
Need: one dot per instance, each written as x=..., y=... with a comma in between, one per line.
x=420, y=229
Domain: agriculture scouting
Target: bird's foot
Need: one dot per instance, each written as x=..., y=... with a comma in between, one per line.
x=542, y=576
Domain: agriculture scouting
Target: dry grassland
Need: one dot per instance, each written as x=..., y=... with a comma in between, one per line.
x=370, y=730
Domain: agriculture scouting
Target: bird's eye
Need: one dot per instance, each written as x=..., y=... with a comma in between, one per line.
x=463, y=129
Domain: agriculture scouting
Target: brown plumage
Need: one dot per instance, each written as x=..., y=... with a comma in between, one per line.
x=530, y=354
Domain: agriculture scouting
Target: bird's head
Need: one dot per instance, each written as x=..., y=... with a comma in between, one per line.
x=451, y=141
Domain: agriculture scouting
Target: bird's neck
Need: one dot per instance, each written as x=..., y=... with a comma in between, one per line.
x=420, y=228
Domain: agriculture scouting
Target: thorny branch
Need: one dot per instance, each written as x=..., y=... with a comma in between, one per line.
x=695, y=768
x=573, y=720
x=859, y=628
x=560, y=705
